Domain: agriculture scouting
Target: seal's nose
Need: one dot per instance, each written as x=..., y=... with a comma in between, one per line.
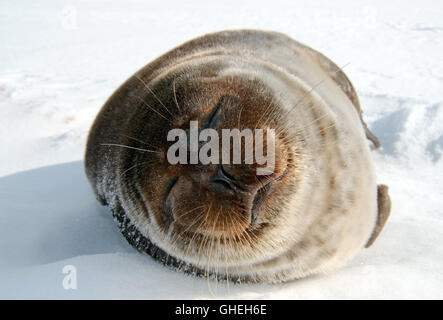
x=222, y=181
x=234, y=188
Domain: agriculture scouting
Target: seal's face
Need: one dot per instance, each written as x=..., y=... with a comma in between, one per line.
x=212, y=215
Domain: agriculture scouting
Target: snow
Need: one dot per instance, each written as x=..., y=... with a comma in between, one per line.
x=61, y=60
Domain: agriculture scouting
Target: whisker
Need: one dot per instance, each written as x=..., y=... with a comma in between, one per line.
x=263, y=114
x=239, y=117
x=175, y=95
x=190, y=211
x=313, y=88
x=192, y=238
x=138, y=140
x=151, y=108
x=210, y=249
x=205, y=237
x=152, y=92
x=134, y=166
x=129, y=147
x=188, y=227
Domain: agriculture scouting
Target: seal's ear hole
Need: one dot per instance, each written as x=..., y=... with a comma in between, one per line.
x=384, y=208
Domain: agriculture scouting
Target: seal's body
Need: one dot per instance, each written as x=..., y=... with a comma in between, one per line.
x=310, y=215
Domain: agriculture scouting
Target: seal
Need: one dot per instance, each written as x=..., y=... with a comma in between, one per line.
x=317, y=208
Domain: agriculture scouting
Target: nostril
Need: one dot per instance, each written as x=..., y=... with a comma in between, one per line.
x=221, y=184
x=224, y=173
x=221, y=180
x=229, y=182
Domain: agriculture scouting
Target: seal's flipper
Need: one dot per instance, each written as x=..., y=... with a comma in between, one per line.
x=384, y=208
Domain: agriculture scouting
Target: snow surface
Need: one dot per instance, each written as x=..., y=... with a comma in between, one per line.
x=61, y=60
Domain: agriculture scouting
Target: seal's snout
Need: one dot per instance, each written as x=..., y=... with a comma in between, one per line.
x=251, y=194
x=223, y=182
x=231, y=193
x=223, y=200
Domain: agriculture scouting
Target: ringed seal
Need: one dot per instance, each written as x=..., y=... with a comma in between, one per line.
x=314, y=212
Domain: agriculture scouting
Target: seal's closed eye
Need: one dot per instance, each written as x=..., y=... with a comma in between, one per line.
x=223, y=102
x=211, y=119
x=168, y=190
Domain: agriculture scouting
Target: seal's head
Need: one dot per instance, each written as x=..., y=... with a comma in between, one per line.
x=219, y=214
